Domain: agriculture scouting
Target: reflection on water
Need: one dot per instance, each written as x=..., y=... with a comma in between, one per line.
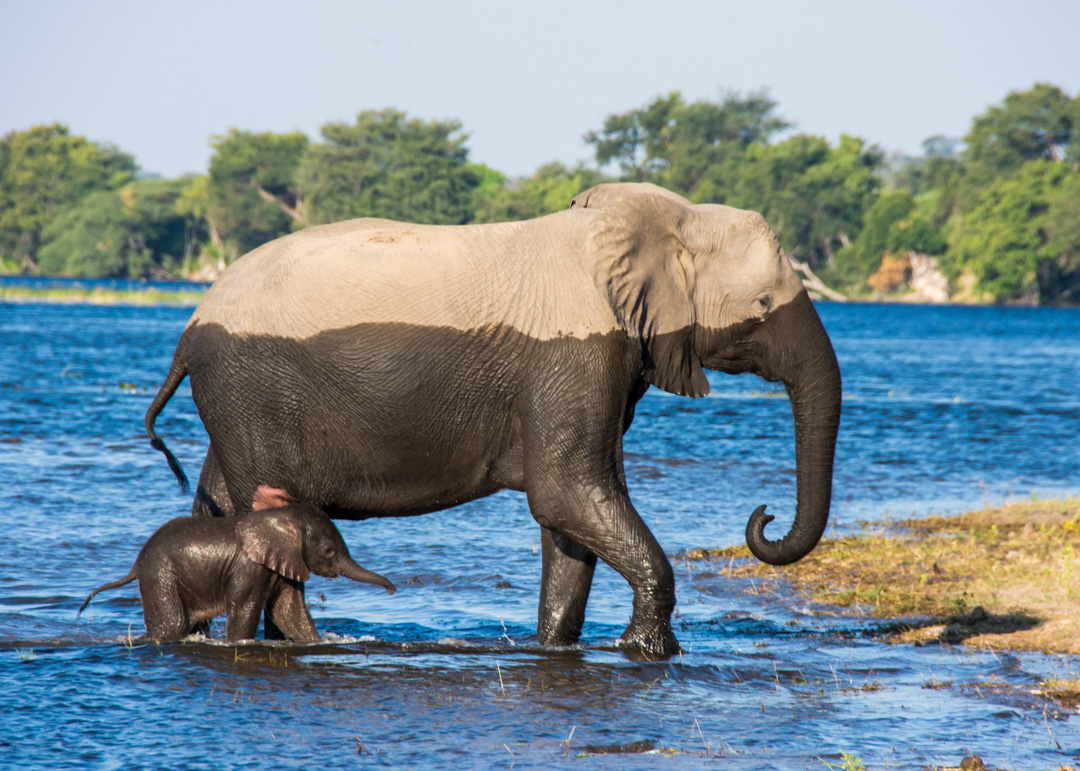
x=945, y=409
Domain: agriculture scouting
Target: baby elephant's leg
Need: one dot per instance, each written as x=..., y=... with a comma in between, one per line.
x=245, y=598
x=289, y=611
x=164, y=613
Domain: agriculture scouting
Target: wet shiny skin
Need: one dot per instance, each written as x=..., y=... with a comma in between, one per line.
x=943, y=408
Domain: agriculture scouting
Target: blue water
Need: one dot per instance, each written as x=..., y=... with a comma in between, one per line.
x=945, y=409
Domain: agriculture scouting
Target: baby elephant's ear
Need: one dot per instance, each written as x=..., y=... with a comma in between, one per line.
x=273, y=538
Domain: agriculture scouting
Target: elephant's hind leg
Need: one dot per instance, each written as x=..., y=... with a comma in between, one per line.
x=164, y=613
x=564, y=588
x=601, y=518
x=212, y=495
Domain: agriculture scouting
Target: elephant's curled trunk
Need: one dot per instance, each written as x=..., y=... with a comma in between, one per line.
x=811, y=375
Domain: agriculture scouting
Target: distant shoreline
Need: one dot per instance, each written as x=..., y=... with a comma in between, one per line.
x=100, y=296
x=71, y=291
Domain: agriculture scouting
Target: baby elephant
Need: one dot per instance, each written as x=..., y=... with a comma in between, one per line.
x=196, y=568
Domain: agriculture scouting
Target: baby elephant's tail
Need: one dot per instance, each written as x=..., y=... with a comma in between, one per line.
x=111, y=585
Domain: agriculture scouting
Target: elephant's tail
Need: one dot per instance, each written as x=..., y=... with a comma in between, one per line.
x=111, y=585
x=177, y=372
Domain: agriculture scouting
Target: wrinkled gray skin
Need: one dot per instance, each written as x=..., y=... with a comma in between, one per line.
x=196, y=568
x=390, y=369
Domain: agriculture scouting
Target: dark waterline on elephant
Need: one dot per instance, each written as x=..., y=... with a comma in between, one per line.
x=944, y=408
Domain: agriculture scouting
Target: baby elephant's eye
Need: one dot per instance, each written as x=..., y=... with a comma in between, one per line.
x=327, y=551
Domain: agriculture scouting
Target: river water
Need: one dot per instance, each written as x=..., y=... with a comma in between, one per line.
x=945, y=409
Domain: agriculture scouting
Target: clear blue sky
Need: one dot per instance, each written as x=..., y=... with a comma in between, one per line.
x=526, y=78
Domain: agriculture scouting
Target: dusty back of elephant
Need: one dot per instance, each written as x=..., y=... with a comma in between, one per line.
x=361, y=272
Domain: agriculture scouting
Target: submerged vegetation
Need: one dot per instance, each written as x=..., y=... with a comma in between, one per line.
x=994, y=217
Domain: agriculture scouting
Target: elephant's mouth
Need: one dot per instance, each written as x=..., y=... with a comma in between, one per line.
x=734, y=350
x=739, y=358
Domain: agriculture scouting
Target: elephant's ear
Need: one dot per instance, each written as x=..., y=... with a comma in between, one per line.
x=274, y=539
x=647, y=273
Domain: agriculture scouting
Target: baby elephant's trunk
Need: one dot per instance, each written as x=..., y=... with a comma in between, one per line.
x=350, y=569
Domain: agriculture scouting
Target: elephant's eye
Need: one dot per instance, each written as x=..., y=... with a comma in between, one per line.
x=763, y=305
x=327, y=551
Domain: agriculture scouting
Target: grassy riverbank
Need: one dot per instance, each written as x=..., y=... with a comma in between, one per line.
x=999, y=578
x=100, y=296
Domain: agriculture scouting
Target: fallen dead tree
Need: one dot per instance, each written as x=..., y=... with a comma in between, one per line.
x=814, y=284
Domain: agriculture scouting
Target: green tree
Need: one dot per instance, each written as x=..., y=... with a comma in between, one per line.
x=637, y=140
x=549, y=190
x=138, y=231
x=387, y=165
x=252, y=191
x=45, y=170
x=860, y=259
x=692, y=148
x=892, y=223
x=813, y=194
x=917, y=233
x=1060, y=271
x=1041, y=122
x=936, y=177
x=195, y=204
x=889, y=208
x=1021, y=239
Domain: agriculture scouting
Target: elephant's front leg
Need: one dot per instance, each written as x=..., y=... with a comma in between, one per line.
x=246, y=595
x=600, y=517
x=289, y=612
x=564, y=588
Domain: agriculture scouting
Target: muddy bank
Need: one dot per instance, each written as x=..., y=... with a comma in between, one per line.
x=1005, y=578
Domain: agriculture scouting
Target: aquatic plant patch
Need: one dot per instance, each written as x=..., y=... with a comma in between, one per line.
x=1006, y=577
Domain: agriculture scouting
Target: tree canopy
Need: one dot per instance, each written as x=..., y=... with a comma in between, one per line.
x=388, y=165
x=43, y=171
x=549, y=190
x=252, y=193
x=693, y=148
x=136, y=231
x=813, y=194
x=1021, y=238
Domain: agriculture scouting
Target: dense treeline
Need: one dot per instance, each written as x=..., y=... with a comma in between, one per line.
x=996, y=215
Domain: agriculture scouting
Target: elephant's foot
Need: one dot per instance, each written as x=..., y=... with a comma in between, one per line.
x=652, y=641
x=560, y=626
x=558, y=638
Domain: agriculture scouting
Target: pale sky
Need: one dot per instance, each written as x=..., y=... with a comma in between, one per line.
x=526, y=78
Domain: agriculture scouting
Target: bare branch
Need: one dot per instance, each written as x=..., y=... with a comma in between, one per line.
x=815, y=284
x=297, y=213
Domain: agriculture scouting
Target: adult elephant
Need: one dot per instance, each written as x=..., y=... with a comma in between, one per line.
x=381, y=369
